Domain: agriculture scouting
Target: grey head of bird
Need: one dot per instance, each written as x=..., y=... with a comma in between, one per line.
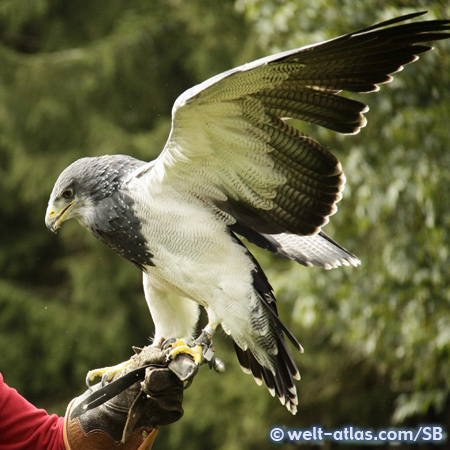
x=85, y=185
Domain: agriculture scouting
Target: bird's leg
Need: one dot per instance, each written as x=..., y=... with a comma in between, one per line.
x=205, y=342
x=108, y=373
x=175, y=347
x=202, y=351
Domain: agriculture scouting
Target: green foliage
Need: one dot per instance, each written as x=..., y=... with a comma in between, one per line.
x=79, y=79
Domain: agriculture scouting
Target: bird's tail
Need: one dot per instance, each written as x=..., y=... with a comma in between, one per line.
x=316, y=250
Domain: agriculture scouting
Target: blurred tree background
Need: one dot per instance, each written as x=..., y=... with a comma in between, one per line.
x=88, y=77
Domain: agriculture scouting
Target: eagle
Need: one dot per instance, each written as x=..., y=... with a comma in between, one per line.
x=235, y=166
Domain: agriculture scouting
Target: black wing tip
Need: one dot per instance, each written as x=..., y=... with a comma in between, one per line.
x=389, y=22
x=431, y=24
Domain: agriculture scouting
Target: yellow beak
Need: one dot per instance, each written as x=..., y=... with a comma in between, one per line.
x=54, y=217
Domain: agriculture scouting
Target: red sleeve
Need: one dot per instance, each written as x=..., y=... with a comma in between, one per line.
x=25, y=427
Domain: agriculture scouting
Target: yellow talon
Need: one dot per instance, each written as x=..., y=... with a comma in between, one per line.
x=180, y=347
x=107, y=373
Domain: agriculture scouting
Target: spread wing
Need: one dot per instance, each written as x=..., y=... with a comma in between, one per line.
x=231, y=144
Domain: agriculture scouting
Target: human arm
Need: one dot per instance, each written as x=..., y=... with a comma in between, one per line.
x=23, y=426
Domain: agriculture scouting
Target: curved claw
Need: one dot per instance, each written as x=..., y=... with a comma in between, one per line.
x=105, y=378
x=179, y=347
x=107, y=373
x=88, y=380
x=167, y=344
x=201, y=352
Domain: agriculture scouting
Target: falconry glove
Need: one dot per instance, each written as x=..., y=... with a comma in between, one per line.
x=129, y=420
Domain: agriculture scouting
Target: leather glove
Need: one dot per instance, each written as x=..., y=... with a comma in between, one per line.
x=129, y=420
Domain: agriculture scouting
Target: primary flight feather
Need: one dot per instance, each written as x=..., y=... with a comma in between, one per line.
x=234, y=166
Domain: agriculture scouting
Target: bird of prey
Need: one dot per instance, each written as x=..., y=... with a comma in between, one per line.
x=234, y=166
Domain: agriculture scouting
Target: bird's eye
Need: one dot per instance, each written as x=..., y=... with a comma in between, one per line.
x=67, y=194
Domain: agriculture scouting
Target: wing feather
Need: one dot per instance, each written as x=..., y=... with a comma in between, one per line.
x=231, y=145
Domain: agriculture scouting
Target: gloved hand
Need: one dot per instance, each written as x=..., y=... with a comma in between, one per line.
x=129, y=420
